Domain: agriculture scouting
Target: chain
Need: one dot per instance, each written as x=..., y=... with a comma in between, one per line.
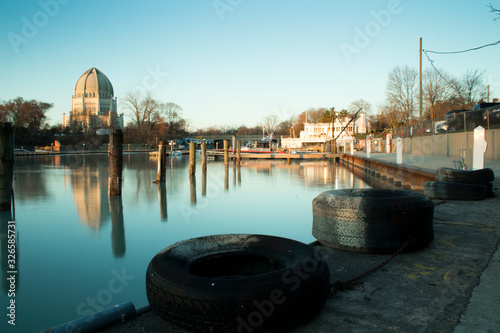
x=352, y=283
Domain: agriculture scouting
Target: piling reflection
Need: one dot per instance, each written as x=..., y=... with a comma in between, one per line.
x=118, y=229
x=226, y=178
x=234, y=175
x=162, y=201
x=192, y=188
x=238, y=170
x=204, y=183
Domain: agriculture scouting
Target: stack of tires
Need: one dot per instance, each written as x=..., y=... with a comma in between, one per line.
x=452, y=184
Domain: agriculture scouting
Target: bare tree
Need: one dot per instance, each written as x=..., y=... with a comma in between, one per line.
x=360, y=105
x=145, y=109
x=27, y=117
x=472, y=87
x=270, y=124
x=389, y=115
x=402, y=91
x=145, y=113
x=494, y=10
x=435, y=91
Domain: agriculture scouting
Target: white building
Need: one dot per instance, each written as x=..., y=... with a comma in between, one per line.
x=317, y=134
x=94, y=104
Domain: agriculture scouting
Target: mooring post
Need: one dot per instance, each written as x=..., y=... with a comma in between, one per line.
x=233, y=147
x=115, y=161
x=238, y=153
x=6, y=165
x=204, y=156
x=226, y=153
x=192, y=158
x=162, y=162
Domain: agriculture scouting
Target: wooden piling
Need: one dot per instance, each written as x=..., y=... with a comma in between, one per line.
x=204, y=156
x=192, y=158
x=238, y=153
x=6, y=165
x=226, y=153
x=162, y=162
x=115, y=161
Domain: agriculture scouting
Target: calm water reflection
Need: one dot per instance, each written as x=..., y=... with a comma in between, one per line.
x=80, y=251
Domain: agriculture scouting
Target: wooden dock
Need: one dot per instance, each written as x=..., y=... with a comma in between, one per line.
x=271, y=156
x=279, y=156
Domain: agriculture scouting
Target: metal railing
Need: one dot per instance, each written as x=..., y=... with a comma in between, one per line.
x=452, y=123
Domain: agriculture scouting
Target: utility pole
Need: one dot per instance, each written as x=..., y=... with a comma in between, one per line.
x=420, y=76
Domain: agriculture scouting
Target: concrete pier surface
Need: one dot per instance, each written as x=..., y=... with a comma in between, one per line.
x=453, y=285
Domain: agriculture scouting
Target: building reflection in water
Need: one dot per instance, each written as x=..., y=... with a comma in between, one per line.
x=90, y=193
x=95, y=209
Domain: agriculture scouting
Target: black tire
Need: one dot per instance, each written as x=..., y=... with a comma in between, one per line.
x=449, y=175
x=226, y=283
x=373, y=220
x=455, y=191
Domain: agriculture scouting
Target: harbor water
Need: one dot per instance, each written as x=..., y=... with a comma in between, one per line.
x=79, y=251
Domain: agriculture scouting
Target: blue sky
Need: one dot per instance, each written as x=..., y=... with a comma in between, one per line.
x=233, y=62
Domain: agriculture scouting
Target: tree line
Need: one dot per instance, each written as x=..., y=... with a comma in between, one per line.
x=28, y=118
x=441, y=92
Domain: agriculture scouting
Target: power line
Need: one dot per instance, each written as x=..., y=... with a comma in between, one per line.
x=453, y=52
x=446, y=80
x=463, y=51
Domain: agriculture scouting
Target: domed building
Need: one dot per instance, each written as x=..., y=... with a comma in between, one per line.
x=94, y=103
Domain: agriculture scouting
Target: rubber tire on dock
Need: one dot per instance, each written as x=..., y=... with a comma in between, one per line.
x=449, y=175
x=455, y=191
x=225, y=283
x=373, y=220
